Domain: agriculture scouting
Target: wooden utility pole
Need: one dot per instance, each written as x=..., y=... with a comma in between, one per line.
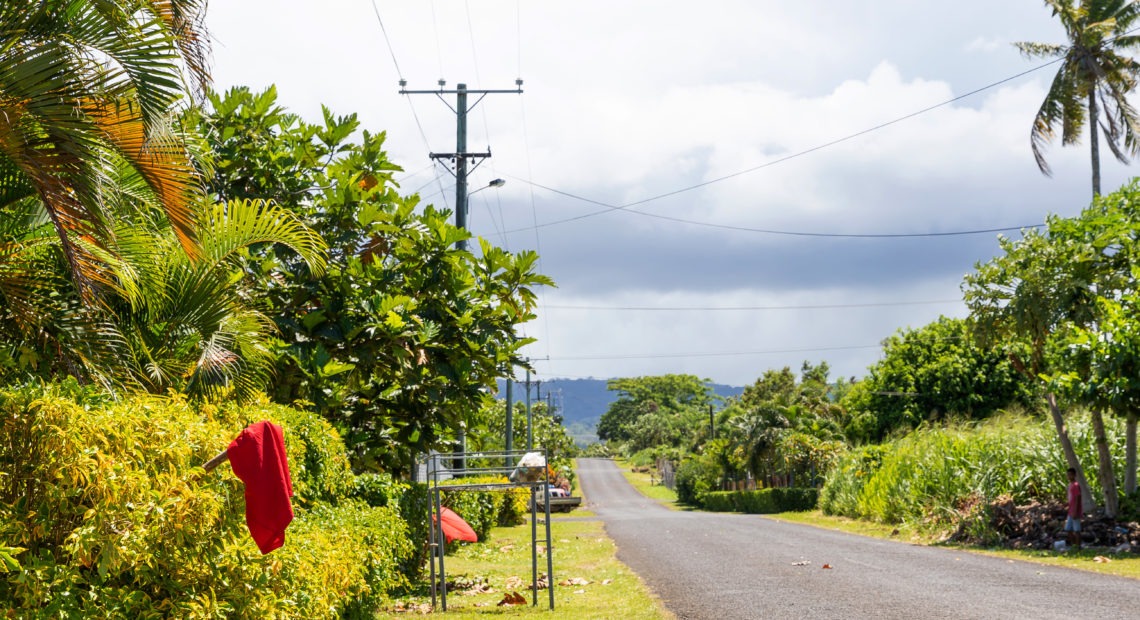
x=461, y=157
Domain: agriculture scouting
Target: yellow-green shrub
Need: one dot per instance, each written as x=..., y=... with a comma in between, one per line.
x=118, y=520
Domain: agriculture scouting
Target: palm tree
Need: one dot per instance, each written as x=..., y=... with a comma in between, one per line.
x=1094, y=79
x=86, y=86
x=183, y=323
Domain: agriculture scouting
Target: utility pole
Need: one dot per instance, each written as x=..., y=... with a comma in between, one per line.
x=461, y=156
x=529, y=429
x=510, y=422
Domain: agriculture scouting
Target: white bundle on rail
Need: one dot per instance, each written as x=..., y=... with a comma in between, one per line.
x=531, y=468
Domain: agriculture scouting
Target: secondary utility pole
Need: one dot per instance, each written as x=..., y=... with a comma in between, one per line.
x=461, y=156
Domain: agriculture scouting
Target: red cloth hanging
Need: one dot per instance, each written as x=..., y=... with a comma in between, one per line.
x=258, y=459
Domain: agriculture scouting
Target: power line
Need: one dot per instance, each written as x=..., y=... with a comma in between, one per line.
x=750, y=308
x=499, y=224
x=767, y=231
x=400, y=75
x=627, y=206
x=529, y=170
x=718, y=354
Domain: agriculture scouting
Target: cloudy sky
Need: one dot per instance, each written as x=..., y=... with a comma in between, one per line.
x=684, y=168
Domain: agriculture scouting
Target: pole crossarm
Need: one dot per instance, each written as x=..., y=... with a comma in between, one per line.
x=458, y=155
x=461, y=155
x=454, y=92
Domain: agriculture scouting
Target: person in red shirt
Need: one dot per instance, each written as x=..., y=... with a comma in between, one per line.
x=1073, y=522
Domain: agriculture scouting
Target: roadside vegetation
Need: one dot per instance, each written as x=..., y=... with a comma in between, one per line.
x=177, y=263
x=965, y=425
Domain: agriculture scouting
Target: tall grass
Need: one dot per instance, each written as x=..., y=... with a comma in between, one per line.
x=933, y=475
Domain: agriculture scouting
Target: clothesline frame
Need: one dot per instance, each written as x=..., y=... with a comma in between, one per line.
x=436, y=540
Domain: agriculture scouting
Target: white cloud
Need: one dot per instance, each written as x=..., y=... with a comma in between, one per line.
x=625, y=101
x=985, y=44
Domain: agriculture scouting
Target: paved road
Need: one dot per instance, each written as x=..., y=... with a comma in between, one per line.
x=715, y=565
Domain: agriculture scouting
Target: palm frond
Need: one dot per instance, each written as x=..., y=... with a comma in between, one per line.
x=237, y=224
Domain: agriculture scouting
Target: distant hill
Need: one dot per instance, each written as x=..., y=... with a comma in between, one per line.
x=583, y=401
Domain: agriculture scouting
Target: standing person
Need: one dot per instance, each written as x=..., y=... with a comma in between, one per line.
x=1073, y=522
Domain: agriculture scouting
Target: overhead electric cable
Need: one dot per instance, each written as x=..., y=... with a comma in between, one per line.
x=721, y=354
x=400, y=75
x=529, y=170
x=750, y=308
x=627, y=206
x=499, y=224
x=767, y=231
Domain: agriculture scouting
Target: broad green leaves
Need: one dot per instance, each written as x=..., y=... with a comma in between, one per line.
x=415, y=330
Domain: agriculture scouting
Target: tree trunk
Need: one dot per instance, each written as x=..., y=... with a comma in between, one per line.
x=1070, y=454
x=1093, y=142
x=1107, y=475
x=1130, y=452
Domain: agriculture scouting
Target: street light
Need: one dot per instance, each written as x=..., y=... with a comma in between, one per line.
x=461, y=208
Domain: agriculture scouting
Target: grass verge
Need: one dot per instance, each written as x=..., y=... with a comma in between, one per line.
x=590, y=583
x=1123, y=565
x=649, y=486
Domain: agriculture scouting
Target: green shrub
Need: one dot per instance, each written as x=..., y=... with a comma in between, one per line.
x=410, y=500
x=762, y=501
x=845, y=481
x=694, y=478
x=938, y=476
x=722, y=501
x=118, y=520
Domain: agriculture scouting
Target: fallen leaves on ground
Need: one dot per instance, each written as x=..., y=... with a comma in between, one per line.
x=828, y=566
x=512, y=598
x=411, y=608
x=515, y=582
x=574, y=581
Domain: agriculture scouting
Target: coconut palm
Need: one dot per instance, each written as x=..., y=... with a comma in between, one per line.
x=86, y=86
x=1093, y=83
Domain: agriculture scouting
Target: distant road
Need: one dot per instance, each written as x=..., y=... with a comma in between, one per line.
x=721, y=566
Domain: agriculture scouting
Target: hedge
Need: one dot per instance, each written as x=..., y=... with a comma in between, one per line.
x=107, y=513
x=762, y=501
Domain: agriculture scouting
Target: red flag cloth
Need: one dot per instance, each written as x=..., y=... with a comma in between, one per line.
x=454, y=527
x=258, y=458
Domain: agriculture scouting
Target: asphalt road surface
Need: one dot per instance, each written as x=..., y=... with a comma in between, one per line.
x=716, y=565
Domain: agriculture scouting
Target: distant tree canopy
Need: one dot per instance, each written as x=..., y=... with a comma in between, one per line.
x=662, y=400
x=932, y=373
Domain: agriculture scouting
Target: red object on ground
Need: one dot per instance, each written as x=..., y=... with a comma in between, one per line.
x=454, y=527
x=258, y=458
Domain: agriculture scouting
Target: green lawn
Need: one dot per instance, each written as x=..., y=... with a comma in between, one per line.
x=485, y=573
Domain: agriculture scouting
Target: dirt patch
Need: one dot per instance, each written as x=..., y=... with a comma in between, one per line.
x=1040, y=526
